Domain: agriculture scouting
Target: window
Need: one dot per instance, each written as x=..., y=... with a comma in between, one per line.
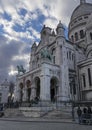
x=91, y=35
x=84, y=81
x=80, y=18
x=76, y=36
x=72, y=38
x=70, y=55
x=82, y=34
x=85, y=17
x=89, y=77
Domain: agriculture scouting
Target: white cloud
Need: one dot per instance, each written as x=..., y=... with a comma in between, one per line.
x=53, y=10
x=12, y=71
x=50, y=22
x=21, y=57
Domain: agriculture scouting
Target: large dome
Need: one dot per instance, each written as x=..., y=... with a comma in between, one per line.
x=82, y=9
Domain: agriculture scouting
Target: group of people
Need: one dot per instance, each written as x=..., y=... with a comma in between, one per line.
x=86, y=113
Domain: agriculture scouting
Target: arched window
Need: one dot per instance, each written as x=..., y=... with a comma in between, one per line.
x=72, y=38
x=82, y=34
x=76, y=36
x=91, y=35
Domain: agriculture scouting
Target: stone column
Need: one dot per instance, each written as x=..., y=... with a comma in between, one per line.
x=45, y=88
x=33, y=91
x=58, y=55
x=24, y=94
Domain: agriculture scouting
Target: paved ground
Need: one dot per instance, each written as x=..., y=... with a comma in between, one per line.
x=14, y=125
x=26, y=119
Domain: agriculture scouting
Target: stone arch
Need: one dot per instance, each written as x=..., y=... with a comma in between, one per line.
x=53, y=89
x=28, y=84
x=21, y=86
x=37, y=86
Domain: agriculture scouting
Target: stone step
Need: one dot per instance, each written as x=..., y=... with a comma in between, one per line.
x=59, y=114
x=12, y=112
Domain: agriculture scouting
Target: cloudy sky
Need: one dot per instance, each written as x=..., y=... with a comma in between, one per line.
x=20, y=24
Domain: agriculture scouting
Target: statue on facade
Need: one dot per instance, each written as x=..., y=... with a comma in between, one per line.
x=21, y=69
x=46, y=54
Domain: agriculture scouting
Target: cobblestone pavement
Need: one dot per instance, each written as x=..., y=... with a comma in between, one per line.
x=13, y=125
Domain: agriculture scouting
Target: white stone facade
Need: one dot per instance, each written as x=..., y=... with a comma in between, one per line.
x=51, y=68
x=61, y=70
x=81, y=21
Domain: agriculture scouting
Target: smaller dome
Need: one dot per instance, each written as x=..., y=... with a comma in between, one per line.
x=60, y=25
x=89, y=23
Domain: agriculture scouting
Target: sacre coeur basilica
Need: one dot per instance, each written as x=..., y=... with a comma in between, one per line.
x=60, y=69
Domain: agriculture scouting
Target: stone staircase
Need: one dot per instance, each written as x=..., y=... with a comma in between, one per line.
x=45, y=110
x=13, y=112
x=63, y=113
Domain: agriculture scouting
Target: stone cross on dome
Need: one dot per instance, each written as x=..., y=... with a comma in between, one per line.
x=82, y=1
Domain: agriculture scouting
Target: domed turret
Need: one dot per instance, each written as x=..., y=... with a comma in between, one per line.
x=60, y=29
x=78, y=22
x=45, y=33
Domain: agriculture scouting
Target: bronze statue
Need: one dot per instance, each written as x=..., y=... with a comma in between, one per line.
x=20, y=69
x=46, y=54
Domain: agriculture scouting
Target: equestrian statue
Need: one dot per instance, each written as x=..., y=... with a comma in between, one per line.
x=20, y=69
x=46, y=54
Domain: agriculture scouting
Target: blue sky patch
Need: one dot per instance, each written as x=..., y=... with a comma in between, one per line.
x=6, y=16
x=1, y=29
x=37, y=24
x=22, y=11
x=18, y=28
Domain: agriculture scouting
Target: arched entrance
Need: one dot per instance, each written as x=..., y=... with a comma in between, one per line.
x=53, y=89
x=21, y=91
x=37, y=83
x=28, y=84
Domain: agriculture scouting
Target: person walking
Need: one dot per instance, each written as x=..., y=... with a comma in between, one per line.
x=79, y=113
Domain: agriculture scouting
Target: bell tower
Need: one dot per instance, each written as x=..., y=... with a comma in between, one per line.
x=82, y=1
